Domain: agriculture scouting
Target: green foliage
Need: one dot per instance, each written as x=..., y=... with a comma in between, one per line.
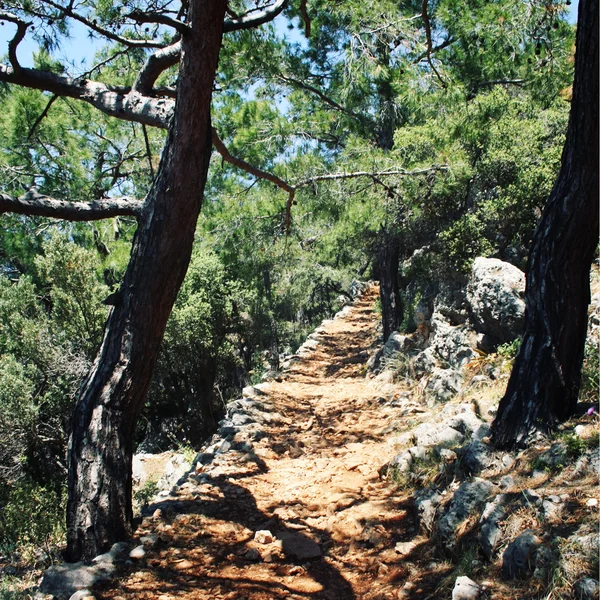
x=146, y=493
x=590, y=372
x=32, y=516
x=196, y=355
x=463, y=242
x=509, y=350
x=74, y=293
x=575, y=445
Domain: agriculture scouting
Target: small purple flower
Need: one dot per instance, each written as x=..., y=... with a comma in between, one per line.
x=591, y=411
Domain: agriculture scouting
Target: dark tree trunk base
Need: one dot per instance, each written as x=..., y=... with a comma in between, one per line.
x=544, y=384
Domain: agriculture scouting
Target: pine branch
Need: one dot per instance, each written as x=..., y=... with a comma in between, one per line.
x=305, y=18
x=120, y=102
x=371, y=174
x=42, y=115
x=427, y=24
x=18, y=37
x=159, y=19
x=156, y=64
x=67, y=11
x=254, y=18
x=245, y=166
x=34, y=204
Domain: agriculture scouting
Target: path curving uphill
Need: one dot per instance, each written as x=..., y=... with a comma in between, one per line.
x=290, y=504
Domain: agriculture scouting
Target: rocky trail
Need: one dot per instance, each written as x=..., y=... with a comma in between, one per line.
x=330, y=482
x=295, y=507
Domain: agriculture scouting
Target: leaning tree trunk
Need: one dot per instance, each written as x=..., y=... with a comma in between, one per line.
x=544, y=383
x=99, y=510
x=389, y=292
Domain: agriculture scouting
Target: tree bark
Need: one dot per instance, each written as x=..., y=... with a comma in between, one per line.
x=33, y=203
x=99, y=510
x=392, y=311
x=544, y=383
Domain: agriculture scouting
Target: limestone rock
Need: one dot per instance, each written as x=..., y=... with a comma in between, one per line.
x=443, y=385
x=465, y=589
x=298, y=546
x=474, y=457
x=427, y=502
x=490, y=532
x=463, y=418
x=82, y=595
x=425, y=362
x=518, y=558
x=62, y=581
x=468, y=500
x=263, y=536
x=586, y=588
x=495, y=296
x=451, y=301
x=428, y=434
x=138, y=553
x=451, y=343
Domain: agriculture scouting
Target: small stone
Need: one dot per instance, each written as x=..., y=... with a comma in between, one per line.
x=448, y=455
x=404, y=548
x=157, y=515
x=150, y=540
x=264, y=536
x=592, y=502
x=465, y=589
x=586, y=589
x=137, y=553
x=252, y=554
x=82, y=595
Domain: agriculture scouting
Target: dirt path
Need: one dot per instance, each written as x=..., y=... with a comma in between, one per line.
x=312, y=482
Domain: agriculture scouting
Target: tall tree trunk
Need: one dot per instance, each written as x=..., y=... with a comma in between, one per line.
x=544, y=383
x=99, y=510
x=392, y=311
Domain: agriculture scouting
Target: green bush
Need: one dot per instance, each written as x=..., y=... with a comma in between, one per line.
x=590, y=372
x=32, y=516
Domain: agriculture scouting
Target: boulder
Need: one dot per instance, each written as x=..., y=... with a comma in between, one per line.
x=468, y=500
x=427, y=501
x=463, y=418
x=586, y=588
x=62, y=581
x=518, y=559
x=451, y=301
x=436, y=434
x=425, y=362
x=495, y=296
x=443, y=385
x=490, y=533
x=450, y=343
x=474, y=457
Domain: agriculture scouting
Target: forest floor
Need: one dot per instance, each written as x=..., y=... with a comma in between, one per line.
x=313, y=482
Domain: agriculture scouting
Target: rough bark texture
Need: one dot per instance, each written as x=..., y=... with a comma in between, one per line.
x=33, y=203
x=99, y=510
x=544, y=383
x=391, y=302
